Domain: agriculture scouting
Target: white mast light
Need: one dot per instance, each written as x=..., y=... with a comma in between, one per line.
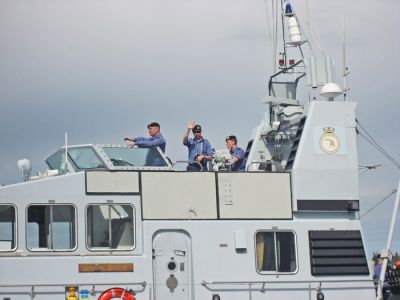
x=294, y=31
x=293, y=25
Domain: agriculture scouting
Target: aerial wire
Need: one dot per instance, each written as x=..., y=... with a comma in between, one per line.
x=368, y=137
x=314, y=35
x=275, y=30
x=270, y=30
x=377, y=204
x=345, y=68
x=392, y=160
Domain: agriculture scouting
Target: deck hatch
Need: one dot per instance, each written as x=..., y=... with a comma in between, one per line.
x=337, y=253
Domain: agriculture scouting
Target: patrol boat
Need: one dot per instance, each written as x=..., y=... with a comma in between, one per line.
x=108, y=221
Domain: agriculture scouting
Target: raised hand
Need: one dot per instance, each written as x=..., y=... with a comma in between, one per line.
x=191, y=124
x=128, y=138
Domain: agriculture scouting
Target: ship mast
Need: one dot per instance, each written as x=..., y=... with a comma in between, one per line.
x=282, y=85
x=385, y=254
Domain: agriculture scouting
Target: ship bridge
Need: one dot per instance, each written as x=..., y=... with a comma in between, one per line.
x=107, y=157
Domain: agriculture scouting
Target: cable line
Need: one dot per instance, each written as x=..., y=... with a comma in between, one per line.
x=379, y=203
x=375, y=144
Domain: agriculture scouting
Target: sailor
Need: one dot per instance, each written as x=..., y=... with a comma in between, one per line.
x=378, y=269
x=200, y=150
x=238, y=162
x=155, y=140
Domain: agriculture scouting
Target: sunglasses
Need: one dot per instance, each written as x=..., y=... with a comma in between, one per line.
x=196, y=131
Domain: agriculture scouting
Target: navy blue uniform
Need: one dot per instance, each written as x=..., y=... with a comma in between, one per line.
x=150, y=142
x=239, y=165
x=198, y=147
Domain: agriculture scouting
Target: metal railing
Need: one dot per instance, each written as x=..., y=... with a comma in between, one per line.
x=263, y=286
x=32, y=292
x=188, y=162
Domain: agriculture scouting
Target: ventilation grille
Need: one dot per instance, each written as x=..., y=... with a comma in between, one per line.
x=337, y=253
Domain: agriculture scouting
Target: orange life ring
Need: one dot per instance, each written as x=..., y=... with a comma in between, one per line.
x=116, y=293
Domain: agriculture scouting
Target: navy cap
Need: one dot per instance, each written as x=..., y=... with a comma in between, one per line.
x=153, y=124
x=196, y=128
x=231, y=138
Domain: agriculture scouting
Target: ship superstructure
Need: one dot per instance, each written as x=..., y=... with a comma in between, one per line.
x=122, y=222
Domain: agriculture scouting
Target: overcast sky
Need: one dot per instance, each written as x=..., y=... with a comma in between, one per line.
x=101, y=70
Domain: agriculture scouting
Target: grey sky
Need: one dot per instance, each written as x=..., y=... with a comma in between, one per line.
x=101, y=70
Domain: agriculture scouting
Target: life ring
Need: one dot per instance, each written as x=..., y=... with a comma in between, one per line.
x=116, y=293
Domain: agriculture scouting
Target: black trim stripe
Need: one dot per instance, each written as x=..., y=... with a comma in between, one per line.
x=328, y=205
x=217, y=195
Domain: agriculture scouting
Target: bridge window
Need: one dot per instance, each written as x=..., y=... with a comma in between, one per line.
x=85, y=158
x=7, y=228
x=110, y=226
x=276, y=252
x=137, y=157
x=82, y=158
x=51, y=228
x=57, y=162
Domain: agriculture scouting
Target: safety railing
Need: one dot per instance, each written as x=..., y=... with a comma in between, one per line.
x=94, y=291
x=310, y=286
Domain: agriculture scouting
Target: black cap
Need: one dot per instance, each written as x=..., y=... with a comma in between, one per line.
x=231, y=138
x=196, y=128
x=153, y=124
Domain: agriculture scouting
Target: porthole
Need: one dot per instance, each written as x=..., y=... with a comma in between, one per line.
x=171, y=266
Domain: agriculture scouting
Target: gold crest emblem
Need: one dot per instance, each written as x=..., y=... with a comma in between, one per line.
x=329, y=141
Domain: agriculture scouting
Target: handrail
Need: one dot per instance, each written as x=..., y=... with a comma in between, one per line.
x=143, y=285
x=260, y=162
x=189, y=162
x=263, y=284
x=252, y=163
x=286, y=69
x=250, y=285
x=205, y=283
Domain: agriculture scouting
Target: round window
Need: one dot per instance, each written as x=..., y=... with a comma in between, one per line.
x=171, y=266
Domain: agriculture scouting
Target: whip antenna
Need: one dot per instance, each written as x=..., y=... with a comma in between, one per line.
x=345, y=68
